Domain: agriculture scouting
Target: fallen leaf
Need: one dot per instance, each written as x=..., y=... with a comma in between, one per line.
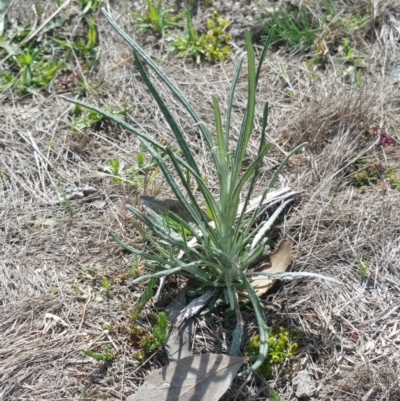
x=179, y=342
x=276, y=262
x=195, y=306
x=195, y=378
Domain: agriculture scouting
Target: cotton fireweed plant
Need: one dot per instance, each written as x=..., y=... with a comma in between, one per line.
x=226, y=248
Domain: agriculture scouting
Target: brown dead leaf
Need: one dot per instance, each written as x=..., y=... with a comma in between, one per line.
x=194, y=378
x=276, y=262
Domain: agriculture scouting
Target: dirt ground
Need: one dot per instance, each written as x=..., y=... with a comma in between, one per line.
x=54, y=255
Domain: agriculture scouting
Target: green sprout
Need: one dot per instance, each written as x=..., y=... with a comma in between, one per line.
x=157, y=18
x=84, y=119
x=106, y=355
x=149, y=343
x=106, y=285
x=348, y=51
x=145, y=171
x=393, y=178
x=363, y=266
x=88, y=6
x=116, y=169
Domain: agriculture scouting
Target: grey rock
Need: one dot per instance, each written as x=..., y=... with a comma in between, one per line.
x=303, y=384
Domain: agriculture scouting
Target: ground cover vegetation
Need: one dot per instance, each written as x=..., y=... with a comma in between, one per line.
x=69, y=293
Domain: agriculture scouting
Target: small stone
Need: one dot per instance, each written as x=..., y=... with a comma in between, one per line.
x=303, y=384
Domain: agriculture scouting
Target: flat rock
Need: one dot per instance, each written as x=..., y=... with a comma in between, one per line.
x=303, y=384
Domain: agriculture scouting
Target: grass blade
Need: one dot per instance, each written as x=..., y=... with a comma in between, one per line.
x=168, y=116
x=248, y=120
x=174, y=89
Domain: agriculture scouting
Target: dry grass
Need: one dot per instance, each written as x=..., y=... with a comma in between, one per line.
x=350, y=334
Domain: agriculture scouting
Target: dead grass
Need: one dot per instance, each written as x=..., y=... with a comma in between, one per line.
x=350, y=334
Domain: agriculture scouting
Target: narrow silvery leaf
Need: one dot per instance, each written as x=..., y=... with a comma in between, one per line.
x=195, y=306
x=3, y=10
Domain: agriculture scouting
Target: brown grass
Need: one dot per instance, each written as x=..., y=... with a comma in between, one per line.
x=52, y=261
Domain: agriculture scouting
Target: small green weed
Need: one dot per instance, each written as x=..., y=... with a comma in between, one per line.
x=157, y=18
x=34, y=64
x=214, y=45
x=149, y=343
x=352, y=23
x=52, y=145
x=107, y=355
x=135, y=268
x=348, y=51
x=339, y=33
x=29, y=70
x=282, y=346
x=393, y=178
x=84, y=118
x=83, y=49
x=106, y=285
x=364, y=173
x=139, y=171
x=116, y=169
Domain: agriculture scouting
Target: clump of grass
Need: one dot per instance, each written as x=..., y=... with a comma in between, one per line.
x=215, y=45
x=227, y=248
x=296, y=29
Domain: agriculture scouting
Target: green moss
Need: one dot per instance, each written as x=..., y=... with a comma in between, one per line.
x=364, y=173
x=149, y=343
x=282, y=345
x=215, y=45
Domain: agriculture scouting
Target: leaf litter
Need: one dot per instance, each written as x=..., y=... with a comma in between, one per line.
x=276, y=262
x=194, y=378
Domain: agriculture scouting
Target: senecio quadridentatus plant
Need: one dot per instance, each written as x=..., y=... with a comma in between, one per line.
x=226, y=248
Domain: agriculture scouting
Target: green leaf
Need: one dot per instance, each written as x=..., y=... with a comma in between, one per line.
x=146, y=296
